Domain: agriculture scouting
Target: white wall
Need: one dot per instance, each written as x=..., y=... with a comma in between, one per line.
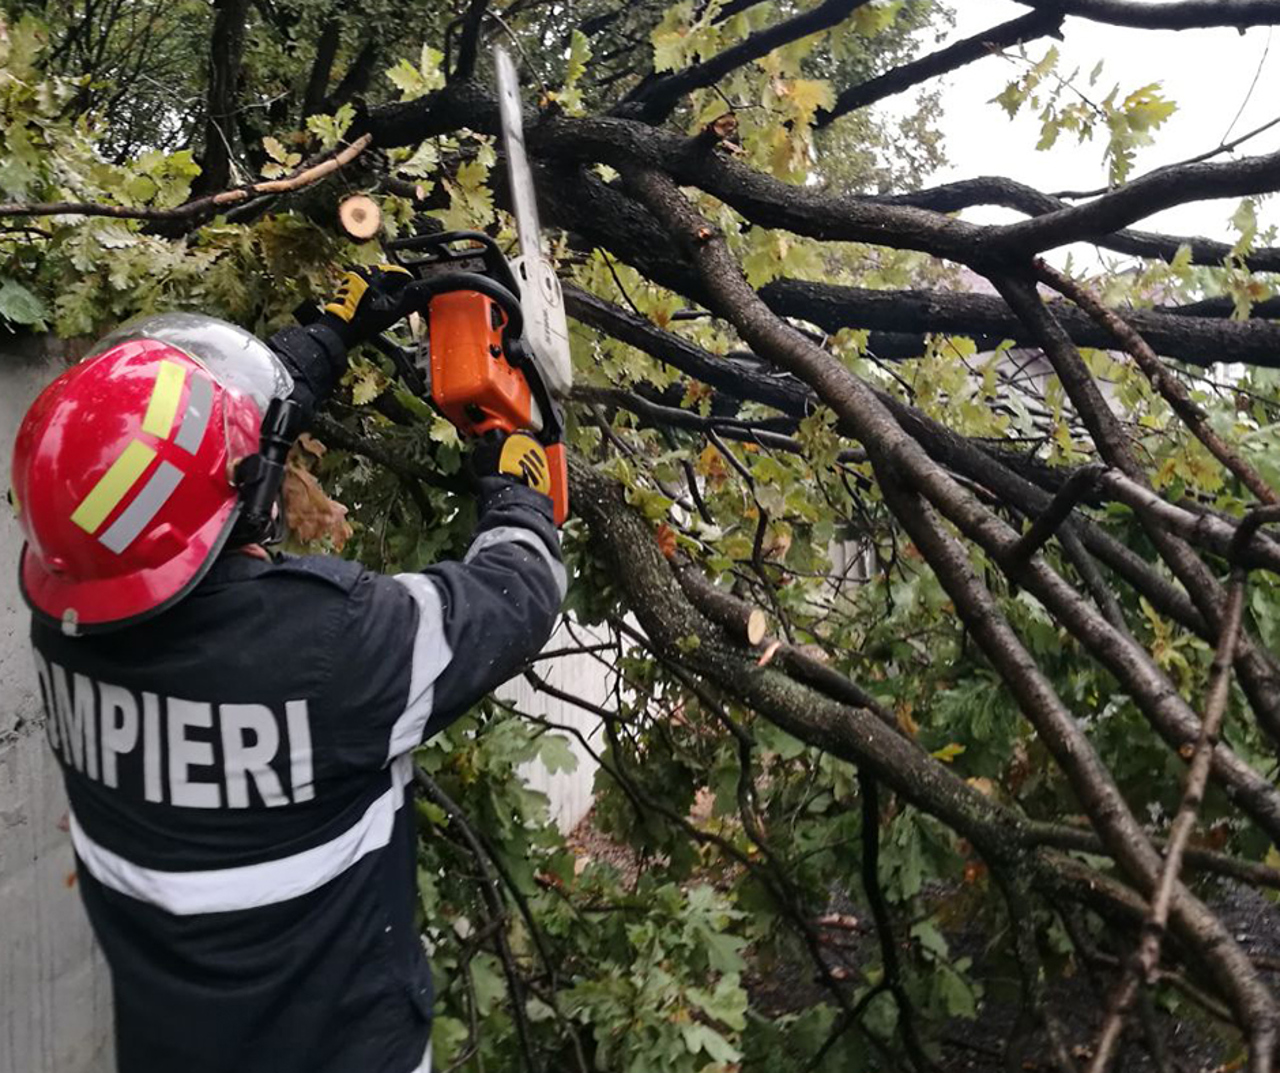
x=586, y=677
x=55, y=1007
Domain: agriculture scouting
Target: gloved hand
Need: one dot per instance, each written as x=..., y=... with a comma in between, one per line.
x=516, y=455
x=366, y=302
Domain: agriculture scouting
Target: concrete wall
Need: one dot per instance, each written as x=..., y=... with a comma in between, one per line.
x=55, y=1005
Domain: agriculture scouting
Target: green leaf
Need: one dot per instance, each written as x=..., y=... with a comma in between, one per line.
x=704, y=1038
x=18, y=305
x=330, y=129
x=414, y=82
x=556, y=753
x=957, y=994
x=425, y=159
x=670, y=38
x=931, y=940
x=579, y=55
x=275, y=149
x=490, y=985
x=872, y=19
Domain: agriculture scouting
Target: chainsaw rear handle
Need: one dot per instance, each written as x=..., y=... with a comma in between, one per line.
x=416, y=298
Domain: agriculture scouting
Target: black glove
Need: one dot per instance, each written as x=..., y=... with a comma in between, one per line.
x=515, y=455
x=316, y=355
x=367, y=303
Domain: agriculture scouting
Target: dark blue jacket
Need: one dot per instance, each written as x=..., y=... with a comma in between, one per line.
x=238, y=770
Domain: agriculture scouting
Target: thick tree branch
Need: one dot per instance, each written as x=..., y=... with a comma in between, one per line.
x=1167, y=15
x=469, y=41
x=1199, y=341
x=659, y=97
x=356, y=79
x=226, y=49
x=321, y=67
x=1011, y=194
x=769, y=202
x=1026, y=28
x=1258, y=671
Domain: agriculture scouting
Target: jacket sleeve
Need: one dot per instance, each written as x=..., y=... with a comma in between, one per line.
x=422, y=648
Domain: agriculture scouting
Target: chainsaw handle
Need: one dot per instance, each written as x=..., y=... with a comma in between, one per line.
x=416, y=297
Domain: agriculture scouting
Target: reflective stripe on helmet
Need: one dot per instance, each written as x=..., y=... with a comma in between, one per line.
x=146, y=504
x=196, y=418
x=113, y=486
x=162, y=407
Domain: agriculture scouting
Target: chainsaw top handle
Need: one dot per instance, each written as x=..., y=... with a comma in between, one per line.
x=444, y=249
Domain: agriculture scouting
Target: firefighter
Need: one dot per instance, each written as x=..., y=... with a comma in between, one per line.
x=235, y=729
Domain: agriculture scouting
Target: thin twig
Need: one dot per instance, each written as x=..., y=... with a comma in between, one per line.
x=186, y=211
x=1174, y=393
x=493, y=900
x=869, y=792
x=1079, y=485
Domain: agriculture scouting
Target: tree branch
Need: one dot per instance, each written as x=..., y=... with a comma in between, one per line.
x=497, y=911
x=469, y=42
x=1169, y=386
x=1143, y=966
x=1026, y=28
x=201, y=205
x=657, y=99
x=1080, y=484
x=1168, y=15
x=896, y=460
x=869, y=792
x=321, y=67
x=1011, y=194
x=226, y=49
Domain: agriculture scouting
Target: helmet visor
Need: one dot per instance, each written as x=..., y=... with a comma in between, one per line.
x=235, y=358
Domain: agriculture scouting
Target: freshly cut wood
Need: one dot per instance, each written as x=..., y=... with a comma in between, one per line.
x=360, y=216
x=738, y=617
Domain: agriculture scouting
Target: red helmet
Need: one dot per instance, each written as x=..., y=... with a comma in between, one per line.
x=122, y=470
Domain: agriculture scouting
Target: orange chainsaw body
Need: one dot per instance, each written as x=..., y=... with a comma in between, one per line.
x=475, y=386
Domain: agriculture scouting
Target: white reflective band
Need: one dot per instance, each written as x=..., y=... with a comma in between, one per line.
x=511, y=534
x=431, y=655
x=425, y=1065
x=195, y=419
x=145, y=506
x=250, y=886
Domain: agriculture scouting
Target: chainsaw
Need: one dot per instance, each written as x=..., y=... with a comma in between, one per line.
x=496, y=354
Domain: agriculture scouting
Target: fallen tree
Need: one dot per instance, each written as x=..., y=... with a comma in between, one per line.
x=1049, y=692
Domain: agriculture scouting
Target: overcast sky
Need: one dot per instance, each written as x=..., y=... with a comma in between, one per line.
x=1207, y=72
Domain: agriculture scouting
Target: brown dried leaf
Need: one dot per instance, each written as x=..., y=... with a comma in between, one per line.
x=309, y=512
x=311, y=445
x=666, y=541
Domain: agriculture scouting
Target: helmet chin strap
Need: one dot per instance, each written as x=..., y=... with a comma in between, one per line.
x=260, y=476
